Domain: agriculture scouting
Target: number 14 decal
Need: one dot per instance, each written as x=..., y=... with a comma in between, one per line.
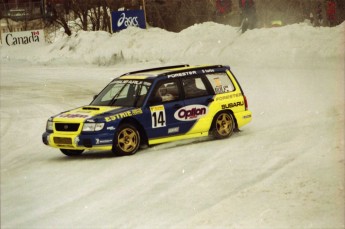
x=158, y=116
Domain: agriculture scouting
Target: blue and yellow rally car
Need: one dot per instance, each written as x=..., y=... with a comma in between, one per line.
x=153, y=106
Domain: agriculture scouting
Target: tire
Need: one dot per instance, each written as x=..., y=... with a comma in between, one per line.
x=71, y=152
x=223, y=125
x=126, y=140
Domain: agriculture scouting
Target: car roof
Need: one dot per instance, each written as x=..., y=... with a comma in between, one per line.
x=173, y=71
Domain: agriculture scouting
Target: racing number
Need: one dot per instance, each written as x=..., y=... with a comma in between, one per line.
x=158, y=119
x=158, y=116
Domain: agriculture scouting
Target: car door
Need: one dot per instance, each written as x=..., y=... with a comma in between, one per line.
x=164, y=102
x=197, y=97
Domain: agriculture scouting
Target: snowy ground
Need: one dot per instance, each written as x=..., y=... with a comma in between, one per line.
x=283, y=170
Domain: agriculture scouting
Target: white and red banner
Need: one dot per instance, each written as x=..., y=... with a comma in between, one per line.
x=23, y=38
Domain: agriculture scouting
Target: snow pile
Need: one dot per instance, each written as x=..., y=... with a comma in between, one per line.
x=283, y=170
x=197, y=44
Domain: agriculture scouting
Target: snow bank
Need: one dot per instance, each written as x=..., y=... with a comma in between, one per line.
x=196, y=44
x=284, y=170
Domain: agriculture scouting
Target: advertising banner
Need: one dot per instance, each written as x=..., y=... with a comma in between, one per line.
x=22, y=38
x=123, y=19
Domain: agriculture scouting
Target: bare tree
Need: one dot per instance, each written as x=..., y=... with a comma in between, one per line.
x=59, y=14
x=9, y=26
x=175, y=15
x=80, y=9
x=99, y=16
x=93, y=14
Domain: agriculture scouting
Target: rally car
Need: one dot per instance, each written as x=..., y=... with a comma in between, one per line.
x=153, y=106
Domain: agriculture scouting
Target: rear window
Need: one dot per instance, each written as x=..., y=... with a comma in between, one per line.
x=220, y=82
x=194, y=87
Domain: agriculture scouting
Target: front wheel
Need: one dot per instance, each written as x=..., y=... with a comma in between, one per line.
x=223, y=125
x=126, y=140
x=71, y=152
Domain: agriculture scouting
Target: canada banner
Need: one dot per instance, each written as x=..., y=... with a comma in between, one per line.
x=23, y=38
x=124, y=19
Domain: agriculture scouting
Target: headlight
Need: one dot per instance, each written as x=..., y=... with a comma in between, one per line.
x=93, y=126
x=50, y=125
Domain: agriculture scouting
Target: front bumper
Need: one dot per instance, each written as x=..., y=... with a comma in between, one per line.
x=99, y=141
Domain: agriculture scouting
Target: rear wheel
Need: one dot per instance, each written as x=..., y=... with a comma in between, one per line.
x=71, y=152
x=126, y=140
x=223, y=125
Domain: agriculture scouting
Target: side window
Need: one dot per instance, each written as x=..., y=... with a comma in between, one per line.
x=194, y=87
x=143, y=90
x=166, y=92
x=220, y=82
x=142, y=94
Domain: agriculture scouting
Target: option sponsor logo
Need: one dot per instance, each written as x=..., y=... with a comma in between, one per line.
x=191, y=112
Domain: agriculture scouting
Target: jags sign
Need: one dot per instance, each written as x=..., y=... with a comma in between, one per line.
x=23, y=38
x=123, y=19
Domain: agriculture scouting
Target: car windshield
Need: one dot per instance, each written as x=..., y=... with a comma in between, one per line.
x=124, y=93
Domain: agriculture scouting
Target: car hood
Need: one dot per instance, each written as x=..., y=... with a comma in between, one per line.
x=93, y=114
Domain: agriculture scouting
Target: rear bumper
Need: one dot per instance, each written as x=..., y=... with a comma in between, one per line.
x=79, y=142
x=243, y=118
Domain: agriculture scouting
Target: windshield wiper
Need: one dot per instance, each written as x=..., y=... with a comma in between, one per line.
x=114, y=99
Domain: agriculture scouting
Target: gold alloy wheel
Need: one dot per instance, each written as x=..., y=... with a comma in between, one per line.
x=224, y=124
x=128, y=140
